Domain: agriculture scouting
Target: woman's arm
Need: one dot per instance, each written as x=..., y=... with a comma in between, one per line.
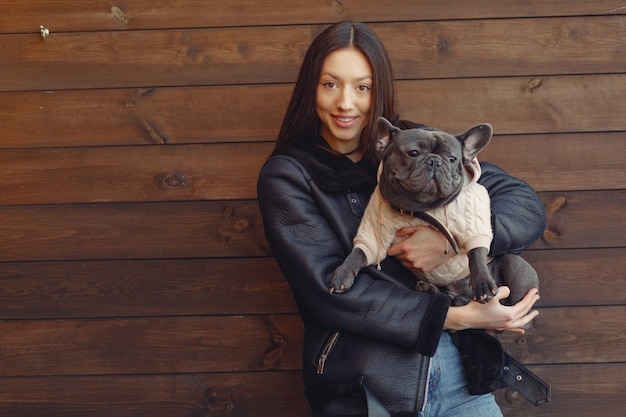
x=494, y=315
x=517, y=214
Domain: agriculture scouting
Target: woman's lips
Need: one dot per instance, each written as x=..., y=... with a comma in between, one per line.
x=345, y=121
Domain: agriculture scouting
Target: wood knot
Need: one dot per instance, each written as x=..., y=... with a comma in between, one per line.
x=228, y=211
x=118, y=14
x=555, y=205
x=550, y=234
x=339, y=8
x=274, y=354
x=171, y=180
x=242, y=224
x=443, y=46
x=533, y=84
x=219, y=399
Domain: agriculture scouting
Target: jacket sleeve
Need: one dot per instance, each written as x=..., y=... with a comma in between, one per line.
x=304, y=242
x=517, y=214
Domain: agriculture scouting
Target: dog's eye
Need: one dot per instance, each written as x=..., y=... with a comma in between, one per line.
x=413, y=153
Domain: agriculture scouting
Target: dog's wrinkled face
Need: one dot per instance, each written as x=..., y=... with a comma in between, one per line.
x=423, y=169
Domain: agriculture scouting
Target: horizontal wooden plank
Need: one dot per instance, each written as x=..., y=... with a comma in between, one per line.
x=564, y=162
x=594, y=219
x=126, y=174
x=251, y=55
x=17, y=16
x=250, y=343
x=143, y=288
x=151, y=346
x=207, y=172
x=580, y=277
x=142, y=116
x=518, y=105
x=580, y=390
x=585, y=390
x=234, y=228
x=511, y=47
x=132, y=231
x=224, y=114
x=189, y=395
x=572, y=335
x=97, y=289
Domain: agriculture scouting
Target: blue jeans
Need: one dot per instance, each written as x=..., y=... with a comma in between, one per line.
x=447, y=390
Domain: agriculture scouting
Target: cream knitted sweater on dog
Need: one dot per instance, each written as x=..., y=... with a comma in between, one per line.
x=468, y=218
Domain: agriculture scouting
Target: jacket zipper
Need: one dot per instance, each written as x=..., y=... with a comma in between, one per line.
x=328, y=347
x=423, y=396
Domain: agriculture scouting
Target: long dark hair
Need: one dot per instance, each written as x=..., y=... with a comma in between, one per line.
x=301, y=122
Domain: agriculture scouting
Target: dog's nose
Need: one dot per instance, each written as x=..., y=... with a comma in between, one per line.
x=434, y=161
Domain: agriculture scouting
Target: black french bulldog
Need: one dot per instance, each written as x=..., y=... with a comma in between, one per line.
x=425, y=175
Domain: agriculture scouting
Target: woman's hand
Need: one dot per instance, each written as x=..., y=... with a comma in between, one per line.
x=493, y=315
x=423, y=249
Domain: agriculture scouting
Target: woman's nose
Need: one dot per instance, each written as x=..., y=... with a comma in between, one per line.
x=346, y=100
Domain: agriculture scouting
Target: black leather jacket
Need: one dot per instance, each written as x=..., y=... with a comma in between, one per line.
x=311, y=202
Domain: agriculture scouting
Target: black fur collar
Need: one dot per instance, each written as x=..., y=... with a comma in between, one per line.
x=333, y=172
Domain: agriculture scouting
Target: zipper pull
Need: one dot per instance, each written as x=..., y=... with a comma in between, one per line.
x=320, y=364
x=328, y=347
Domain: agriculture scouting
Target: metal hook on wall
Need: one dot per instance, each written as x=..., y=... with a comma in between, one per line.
x=44, y=32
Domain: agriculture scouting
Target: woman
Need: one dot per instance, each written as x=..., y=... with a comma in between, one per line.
x=371, y=351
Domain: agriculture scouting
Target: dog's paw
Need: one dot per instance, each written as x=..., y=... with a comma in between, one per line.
x=340, y=281
x=484, y=293
x=428, y=287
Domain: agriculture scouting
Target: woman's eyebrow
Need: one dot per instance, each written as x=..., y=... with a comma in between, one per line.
x=365, y=77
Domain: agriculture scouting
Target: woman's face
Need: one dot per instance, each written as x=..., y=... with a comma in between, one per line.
x=344, y=97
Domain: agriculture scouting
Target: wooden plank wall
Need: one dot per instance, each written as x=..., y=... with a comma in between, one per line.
x=134, y=276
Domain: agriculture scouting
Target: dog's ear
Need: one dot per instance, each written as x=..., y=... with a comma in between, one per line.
x=475, y=140
x=385, y=134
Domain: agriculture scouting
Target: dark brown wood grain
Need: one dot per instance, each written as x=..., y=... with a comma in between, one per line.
x=175, y=395
x=18, y=16
x=210, y=229
x=142, y=116
x=141, y=288
x=526, y=105
x=560, y=335
x=584, y=390
x=578, y=219
x=151, y=345
x=129, y=174
x=580, y=276
x=92, y=289
x=234, y=228
x=253, y=55
x=570, y=335
x=564, y=162
x=206, y=172
x=542, y=104
x=135, y=279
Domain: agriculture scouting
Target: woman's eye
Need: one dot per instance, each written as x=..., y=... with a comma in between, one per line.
x=330, y=84
x=363, y=88
x=413, y=153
